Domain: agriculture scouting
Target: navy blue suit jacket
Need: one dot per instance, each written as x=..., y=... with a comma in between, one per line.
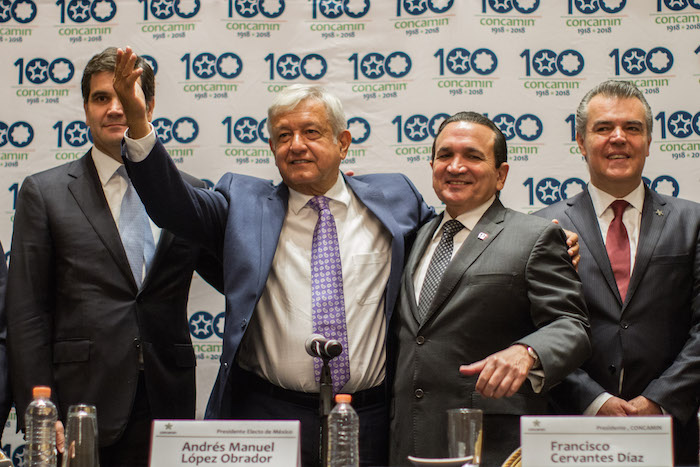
x=241, y=219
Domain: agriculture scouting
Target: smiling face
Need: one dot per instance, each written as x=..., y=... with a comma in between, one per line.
x=464, y=169
x=306, y=152
x=616, y=143
x=105, y=116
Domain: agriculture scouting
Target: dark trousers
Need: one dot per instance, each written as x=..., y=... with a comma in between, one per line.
x=256, y=399
x=501, y=436
x=134, y=444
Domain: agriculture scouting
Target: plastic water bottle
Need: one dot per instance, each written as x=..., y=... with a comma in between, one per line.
x=344, y=433
x=40, y=419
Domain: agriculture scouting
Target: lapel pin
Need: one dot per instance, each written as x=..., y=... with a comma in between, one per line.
x=659, y=212
x=482, y=236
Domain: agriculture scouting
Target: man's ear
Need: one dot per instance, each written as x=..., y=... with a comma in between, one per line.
x=150, y=105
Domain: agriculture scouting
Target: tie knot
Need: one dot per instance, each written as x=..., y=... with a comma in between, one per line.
x=318, y=203
x=451, y=227
x=618, y=207
x=122, y=172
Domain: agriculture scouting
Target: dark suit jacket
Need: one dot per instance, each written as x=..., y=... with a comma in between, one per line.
x=241, y=221
x=76, y=319
x=655, y=334
x=516, y=285
x=5, y=390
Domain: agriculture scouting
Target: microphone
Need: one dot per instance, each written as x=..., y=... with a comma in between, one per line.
x=318, y=346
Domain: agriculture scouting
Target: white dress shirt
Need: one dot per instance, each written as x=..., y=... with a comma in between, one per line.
x=632, y=220
x=468, y=219
x=273, y=345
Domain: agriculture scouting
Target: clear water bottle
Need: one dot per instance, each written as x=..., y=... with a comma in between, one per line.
x=343, y=434
x=40, y=419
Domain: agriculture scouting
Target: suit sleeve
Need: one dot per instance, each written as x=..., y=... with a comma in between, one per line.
x=557, y=308
x=196, y=214
x=30, y=298
x=677, y=388
x=5, y=392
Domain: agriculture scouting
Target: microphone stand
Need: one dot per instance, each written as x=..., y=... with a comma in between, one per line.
x=325, y=399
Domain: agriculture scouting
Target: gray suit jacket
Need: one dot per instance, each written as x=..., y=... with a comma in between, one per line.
x=76, y=318
x=515, y=285
x=655, y=334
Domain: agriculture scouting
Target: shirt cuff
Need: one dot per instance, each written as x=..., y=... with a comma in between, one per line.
x=597, y=404
x=536, y=378
x=138, y=149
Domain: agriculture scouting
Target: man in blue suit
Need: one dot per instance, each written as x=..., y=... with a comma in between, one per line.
x=266, y=234
x=640, y=271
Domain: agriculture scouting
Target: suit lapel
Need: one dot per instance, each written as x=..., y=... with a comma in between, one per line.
x=88, y=194
x=423, y=239
x=166, y=239
x=585, y=221
x=654, y=214
x=485, y=231
x=274, y=210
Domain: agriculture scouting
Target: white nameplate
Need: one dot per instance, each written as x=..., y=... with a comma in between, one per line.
x=596, y=441
x=194, y=443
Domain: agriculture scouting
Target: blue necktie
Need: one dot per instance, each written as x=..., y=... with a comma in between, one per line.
x=135, y=230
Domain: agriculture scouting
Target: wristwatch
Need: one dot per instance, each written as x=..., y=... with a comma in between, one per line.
x=537, y=364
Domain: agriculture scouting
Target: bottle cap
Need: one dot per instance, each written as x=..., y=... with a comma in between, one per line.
x=343, y=398
x=41, y=391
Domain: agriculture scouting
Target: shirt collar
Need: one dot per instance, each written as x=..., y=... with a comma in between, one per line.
x=105, y=165
x=602, y=200
x=338, y=192
x=470, y=218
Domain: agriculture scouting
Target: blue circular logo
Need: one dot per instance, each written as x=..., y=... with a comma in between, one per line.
x=201, y=325
x=204, y=65
x=288, y=66
x=359, y=129
x=76, y=133
x=397, y=64
x=103, y=10
x=229, y=65
x=416, y=127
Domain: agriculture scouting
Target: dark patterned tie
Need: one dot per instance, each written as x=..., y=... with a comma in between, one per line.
x=327, y=300
x=438, y=263
x=618, y=245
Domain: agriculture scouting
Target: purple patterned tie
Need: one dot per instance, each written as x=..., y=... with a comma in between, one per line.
x=327, y=301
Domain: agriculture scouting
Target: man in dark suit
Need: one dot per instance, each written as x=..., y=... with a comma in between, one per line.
x=98, y=324
x=5, y=389
x=486, y=286
x=640, y=270
x=265, y=235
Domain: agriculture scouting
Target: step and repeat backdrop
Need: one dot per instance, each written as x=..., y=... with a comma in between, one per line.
x=400, y=67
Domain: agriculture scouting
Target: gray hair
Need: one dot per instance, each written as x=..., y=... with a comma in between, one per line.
x=292, y=95
x=612, y=88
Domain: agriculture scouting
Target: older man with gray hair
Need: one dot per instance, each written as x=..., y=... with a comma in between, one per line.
x=318, y=253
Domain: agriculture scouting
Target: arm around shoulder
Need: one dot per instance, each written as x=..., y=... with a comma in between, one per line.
x=557, y=308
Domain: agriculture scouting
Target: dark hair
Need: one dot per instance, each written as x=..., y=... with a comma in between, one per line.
x=500, y=149
x=612, y=88
x=107, y=61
